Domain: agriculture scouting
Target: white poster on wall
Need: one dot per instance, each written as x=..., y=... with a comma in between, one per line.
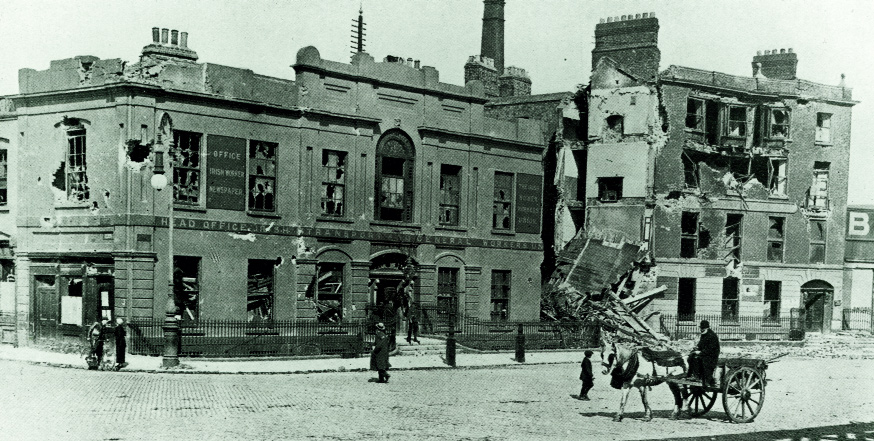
x=71, y=310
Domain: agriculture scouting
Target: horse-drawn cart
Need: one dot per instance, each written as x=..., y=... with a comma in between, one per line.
x=741, y=383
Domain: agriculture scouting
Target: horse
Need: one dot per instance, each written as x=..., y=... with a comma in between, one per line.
x=624, y=362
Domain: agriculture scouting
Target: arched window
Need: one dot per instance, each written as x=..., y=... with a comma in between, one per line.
x=394, y=178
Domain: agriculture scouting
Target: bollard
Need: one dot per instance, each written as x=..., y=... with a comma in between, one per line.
x=450, y=348
x=520, y=345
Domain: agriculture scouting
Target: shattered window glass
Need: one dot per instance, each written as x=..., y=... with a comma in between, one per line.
x=775, y=239
x=450, y=194
x=817, y=241
x=4, y=170
x=391, y=199
x=333, y=182
x=329, y=297
x=259, y=291
x=262, y=175
x=818, y=195
x=737, y=121
x=823, y=128
x=730, y=300
x=695, y=114
x=77, y=170
x=779, y=123
x=394, y=178
x=186, y=286
x=503, y=201
x=777, y=176
x=500, y=300
x=689, y=234
x=733, y=236
x=186, y=167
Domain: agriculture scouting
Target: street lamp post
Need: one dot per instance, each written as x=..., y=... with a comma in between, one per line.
x=171, y=327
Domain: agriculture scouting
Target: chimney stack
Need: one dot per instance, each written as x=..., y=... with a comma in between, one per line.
x=631, y=42
x=778, y=65
x=169, y=44
x=174, y=37
x=164, y=35
x=183, y=40
x=492, y=44
x=156, y=35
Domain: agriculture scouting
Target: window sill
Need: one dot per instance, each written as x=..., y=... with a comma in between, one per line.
x=451, y=228
x=504, y=232
x=395, y=224
x=823, y=144
x=72, y=206
x=779, y=197
x=191, y=208
x=263, y=214
x=340, y=220
x=4, y=209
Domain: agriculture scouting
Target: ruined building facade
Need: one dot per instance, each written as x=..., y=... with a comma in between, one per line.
x=310, y=199
x=737, y=184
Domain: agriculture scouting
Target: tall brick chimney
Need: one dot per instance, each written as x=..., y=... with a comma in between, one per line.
x=492, y=45
x=632, y=41
x=777, y=65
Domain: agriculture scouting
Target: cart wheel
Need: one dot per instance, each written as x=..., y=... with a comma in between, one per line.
x=700, y=401
x=743, y=394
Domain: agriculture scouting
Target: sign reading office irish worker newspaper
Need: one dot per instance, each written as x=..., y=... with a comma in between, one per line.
x=860, y=234
x=226, y=173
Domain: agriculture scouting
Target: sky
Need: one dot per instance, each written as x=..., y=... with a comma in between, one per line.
x=551, y=39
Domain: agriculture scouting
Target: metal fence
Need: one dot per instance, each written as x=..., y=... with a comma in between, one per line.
x=229, y=338
x=501, y=336
x=858, y=319
x=739, y=328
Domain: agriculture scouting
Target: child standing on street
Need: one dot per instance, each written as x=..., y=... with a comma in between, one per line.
x=587, y=376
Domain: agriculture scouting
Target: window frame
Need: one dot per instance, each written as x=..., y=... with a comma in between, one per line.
x=772, y=312
x=774, y=240
x=269, y=293
x=729, y=313
x=253, y=177
x=699, y=115
x=183, y=295
x=737, y=246
x=729, y=121
x=818, y=198
x=507, y=202
x=500, y=294
x=336, y=183
x=817, y=243
x=610, y=185
x=771, y=124
x=76, y=175
x=686, y=237
x=822, y=134
x=178, y=169
x=688, y=313
x=447, y=197
x=338, y=294
x=4, y=177
x=397, y=146
x=777, y=182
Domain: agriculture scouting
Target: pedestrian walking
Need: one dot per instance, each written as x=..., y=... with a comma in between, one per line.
x=96, y=338
x=413, y=324
x=379, y=356
x=587, y=376
x=120, y=343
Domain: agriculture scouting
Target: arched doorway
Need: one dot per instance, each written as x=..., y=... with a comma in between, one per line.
x=392, y=279
x=816, y=295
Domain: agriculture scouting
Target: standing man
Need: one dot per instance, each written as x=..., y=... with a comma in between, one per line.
x=379, y=356
x=413, y=324
x=120, y=343
x=703, y=359
x=587, y=376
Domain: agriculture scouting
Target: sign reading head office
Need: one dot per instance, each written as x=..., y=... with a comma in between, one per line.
x=226, y=173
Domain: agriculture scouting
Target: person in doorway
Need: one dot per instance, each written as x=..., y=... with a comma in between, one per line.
x=379, y=356
x=587, y=376
x=96, y=338
x=703, y=359
x=120, y=343
x=413, y=324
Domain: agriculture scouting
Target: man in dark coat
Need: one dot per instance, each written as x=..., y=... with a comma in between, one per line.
x=120, y=343
x=379, y=356
x=587, y=376
x=702, y=360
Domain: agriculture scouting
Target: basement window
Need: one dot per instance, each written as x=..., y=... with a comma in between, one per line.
x=823, y=128
x=737, y=121
x=610, y=189
x=776, y=238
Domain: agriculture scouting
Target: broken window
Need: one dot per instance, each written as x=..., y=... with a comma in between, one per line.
x=615, y=128
x=610, y=189
x=823, y=128
x=262, y=175
x=71, y=302
x=450, y=194
x=775, y=238
x=503, y=206
x=691, y=171
x=329, y=292
x=4, y=171
x=771, y=300
x=186, y=286
x=730, y=300
x=689, y=235
x=733, y=236
x=817, y=198
x=777, y=176
x=737, y=121
x=778, y=126
x=500, y=299
x=76, y=171
x=394, y=178
x=711, y=122
x=186, y=167
x=695, y=114
x=686, y=299
x=333, y=183
x=259, y=291
x=817, y=241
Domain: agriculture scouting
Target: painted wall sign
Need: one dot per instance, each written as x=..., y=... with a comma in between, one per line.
x=860, y=224
x=529, y=199
x=349, y=234
x=226, y=173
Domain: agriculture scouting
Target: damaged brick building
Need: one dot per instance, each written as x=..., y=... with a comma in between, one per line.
x=737, y=184
x=310, y=199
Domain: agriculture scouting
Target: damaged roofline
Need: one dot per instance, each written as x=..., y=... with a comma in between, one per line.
x=753, y=93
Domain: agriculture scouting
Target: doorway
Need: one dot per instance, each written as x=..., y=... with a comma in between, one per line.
x=816, y=296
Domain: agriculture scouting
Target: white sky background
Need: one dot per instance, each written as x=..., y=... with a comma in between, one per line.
x=552, y=39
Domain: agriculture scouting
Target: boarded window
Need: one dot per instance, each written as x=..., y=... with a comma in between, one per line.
x=186, y=286
x=186, y=167
x=329, y=292
x=776, y=239
x=686, y=299
x=824, y=128
x=77, y=168
x=817, y=241
x=262, y=176
x=259, y=292
x=730, y=300
x=333, y=183
x=450, y=194
x=610, y=189
x=771, y=301
x=500, y=299
x=502, y=208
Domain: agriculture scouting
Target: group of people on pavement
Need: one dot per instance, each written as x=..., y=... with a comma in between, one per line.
x=98, y=333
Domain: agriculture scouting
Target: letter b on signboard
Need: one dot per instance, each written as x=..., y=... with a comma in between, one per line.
x=858, y=224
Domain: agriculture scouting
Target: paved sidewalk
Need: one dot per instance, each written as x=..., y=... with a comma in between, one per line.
x=139, y=363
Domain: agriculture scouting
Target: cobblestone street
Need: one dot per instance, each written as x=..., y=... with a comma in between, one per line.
x=823, y=397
